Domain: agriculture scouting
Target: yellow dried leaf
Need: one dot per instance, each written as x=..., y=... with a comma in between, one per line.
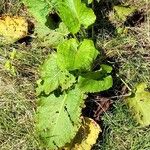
x=86, y=136
x=12, y=29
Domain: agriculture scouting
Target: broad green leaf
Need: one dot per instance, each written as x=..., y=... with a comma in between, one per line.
x=52, y=39
x=58, y=118
x=74, y=14
x=95, y=82
x=55, y=37
x=12, y=29
x=73, y=55
x=40, y=9
x=62, y=29
x=140, y=105
x=52, y=77
x=122, y=12
x=66, y=52
x=66, y=80
x=85, y=55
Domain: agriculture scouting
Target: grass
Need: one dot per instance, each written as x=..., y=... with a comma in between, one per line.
x=17, y=93
x=131, y=52
x=17, y=98
x=11, y=7
x=121, y=132
x=130, y=49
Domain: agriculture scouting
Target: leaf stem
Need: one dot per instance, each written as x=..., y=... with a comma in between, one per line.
x=124, y=83
x=75, y=37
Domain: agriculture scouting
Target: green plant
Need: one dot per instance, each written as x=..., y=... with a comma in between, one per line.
x=9, y=65
x=66, y=75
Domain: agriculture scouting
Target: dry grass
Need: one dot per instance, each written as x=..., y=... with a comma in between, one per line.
x=131, y=52
x=18, y=100
x=17, y=93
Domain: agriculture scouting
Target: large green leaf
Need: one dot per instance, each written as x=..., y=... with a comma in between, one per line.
x=58, y=118
x=53, y=37
x=140, y=105
x=40, y=10
x=95, y=82
x=73, y=55
x=52, y=77
x=74, y=13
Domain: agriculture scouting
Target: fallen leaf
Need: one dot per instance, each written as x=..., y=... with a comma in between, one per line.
x=86, y=136
x=140, y=105
x=12, y=29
